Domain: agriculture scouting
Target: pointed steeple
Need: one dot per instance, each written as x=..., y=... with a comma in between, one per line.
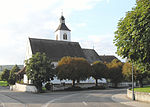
x=62, y=25
x=62, y=19
x=63, y=32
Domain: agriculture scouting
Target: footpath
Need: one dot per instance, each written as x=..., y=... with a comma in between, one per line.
x=122, y=98
x=6, y=101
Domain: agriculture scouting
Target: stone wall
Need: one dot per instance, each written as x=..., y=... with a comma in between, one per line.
x=23, y=88
x=122, y=84
x=64, y=86
x=140, y=96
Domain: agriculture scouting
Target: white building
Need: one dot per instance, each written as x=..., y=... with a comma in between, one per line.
x=62, y=46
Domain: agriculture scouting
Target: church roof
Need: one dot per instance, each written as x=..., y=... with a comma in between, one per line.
x=54, y=49
x=21, y=71
x=107, y=58
x=91, y=55
x=62, y=26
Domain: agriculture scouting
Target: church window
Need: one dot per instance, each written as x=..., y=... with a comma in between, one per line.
x=65, y=36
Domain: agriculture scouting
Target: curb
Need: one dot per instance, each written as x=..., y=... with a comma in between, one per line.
x=122, y=98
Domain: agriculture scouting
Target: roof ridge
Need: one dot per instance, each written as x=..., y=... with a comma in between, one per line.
x=53, y=40
x=106, y=55
x=88, y=49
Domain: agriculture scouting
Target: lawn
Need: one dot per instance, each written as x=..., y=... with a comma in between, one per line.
x=144, y=89
x=3, y=83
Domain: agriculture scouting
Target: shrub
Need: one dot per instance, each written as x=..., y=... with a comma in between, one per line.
x=97, y=87
x=48, y=86
x=11, y=81
x=75, y=88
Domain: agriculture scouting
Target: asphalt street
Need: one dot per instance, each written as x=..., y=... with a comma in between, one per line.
x=88, y=98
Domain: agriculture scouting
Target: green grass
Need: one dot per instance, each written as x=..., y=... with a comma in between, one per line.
x=43, y=88
x=3, y=83
x=144, y=89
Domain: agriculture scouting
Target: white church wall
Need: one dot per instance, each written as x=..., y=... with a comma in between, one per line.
x=25, y=79
x=28, y=50
x=68, y=35
x=60, y=35
x=28, y=55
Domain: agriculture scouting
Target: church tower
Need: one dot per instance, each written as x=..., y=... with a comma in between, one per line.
x=62, y=32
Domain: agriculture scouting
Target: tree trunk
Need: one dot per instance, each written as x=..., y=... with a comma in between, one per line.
x=73, y=83
x=116, y=85
x=140, y=83
x=78, y=81
x=96, y=82
x=38, y=86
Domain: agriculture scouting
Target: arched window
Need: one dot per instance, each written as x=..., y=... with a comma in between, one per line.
x=56, y=37
x=65, y=36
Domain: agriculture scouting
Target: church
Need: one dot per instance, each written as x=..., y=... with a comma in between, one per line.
x=60, y=47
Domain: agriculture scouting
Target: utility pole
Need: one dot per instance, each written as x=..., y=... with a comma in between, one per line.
x=133, y=96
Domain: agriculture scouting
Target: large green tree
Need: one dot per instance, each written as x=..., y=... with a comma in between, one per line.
x=39, y=69
x=115, y=72
x=73, y=68
x=5, y=75
x=99, y=71
x=138, y=75
x=132, y=37
x=12, y=75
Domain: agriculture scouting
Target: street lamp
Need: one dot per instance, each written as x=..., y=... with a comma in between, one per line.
x=133, y=96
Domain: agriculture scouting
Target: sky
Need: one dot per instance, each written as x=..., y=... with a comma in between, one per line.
x=92, y=24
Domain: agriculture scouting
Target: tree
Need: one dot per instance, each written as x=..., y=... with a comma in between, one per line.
x=73, y=68
x=138, y=75
x=12, y=75
x=5, y=75
x=132, y=37
x=115, y=71
x=99, y=71
x=39, y=69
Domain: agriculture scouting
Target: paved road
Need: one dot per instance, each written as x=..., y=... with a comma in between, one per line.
x=91, y=98
x=97, y=98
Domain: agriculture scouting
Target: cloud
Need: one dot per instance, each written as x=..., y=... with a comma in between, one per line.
x=81, y=24
x=20, y=19
x=69, y=6
x=102, y=43
x=108, y=1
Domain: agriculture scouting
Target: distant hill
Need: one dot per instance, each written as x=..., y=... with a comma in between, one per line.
x=2, y=67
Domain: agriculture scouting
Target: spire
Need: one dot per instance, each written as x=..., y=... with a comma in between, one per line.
x=62, y=25
x=61, y=12
x=62, y=19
